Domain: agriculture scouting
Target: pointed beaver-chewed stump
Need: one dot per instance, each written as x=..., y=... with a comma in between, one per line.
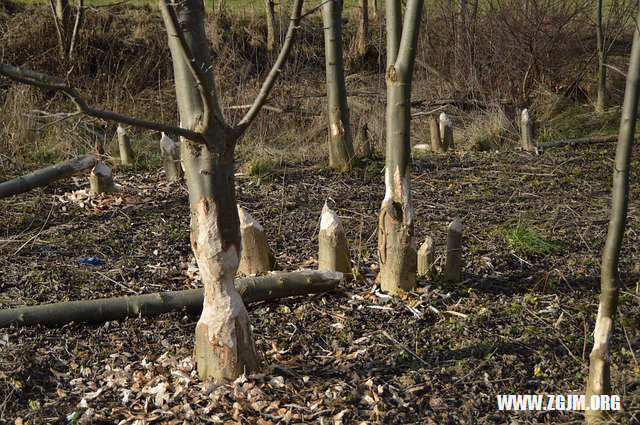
x=446, y=132
x=426, y=258
x=101, y=179
x=363, y=142
x=333, y=250
x=170, y=159
x=255, y=255
x=453, y=262
x=436, y=140
x=526, y=132
x=124, y=146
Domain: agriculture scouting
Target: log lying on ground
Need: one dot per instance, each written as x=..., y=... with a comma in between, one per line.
x=582, y=141
x=254, y=289
x=47, y=175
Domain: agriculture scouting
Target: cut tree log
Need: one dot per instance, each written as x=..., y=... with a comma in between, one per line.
x=333, y=250
x=255, y=255
x=46, y=176
x=526, y=132
x=101, y=179
x=170, y=159
x=426, y=258
x=124, y=145
x=453, y=262
x=581, y=141
x=446, y=131
x=254, y=289
x=436, y=140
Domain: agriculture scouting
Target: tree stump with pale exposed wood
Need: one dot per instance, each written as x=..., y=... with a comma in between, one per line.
x=255, y=255
x=333, y=249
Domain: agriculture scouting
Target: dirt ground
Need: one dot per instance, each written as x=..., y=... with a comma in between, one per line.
x=519, y=323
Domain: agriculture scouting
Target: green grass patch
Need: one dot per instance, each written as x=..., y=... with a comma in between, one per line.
x=261, y=169
x=526, y=240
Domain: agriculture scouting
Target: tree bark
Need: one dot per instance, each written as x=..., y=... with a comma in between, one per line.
x=396, y=242
x=602, y=70
x=526, y=132
x=599, y=381
x=363, y=28
x=270, y=6
x=333, y=248
x=436, y=140
x=453, y=260
x=341, y=155
x=426, y=258
x=46, y=176
x=101, y=179
x=170, y=159
x=446, y=132
x=255, y=256
x=255, y=289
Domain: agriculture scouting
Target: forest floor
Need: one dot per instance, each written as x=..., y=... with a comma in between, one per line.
x=519, y=323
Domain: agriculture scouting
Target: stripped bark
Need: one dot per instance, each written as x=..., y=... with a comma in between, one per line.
x=341, y=155
x=255, y=289
x=124, y=147
x=599, y=381
x=333, y=249
x=46, y=176
x=526, y=132
x=453, y=261
x=255, y=256
x=396, y=242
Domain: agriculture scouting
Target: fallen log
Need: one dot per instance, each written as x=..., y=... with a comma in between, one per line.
x=573, y=142
x=46, y=176
x=253, y=289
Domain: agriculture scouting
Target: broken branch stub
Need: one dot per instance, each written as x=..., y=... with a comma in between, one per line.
x=446, y=132
x=453, y=262
x=124, y=145
x=101, y=179
x=170, y=159
x=255, y=255
x=426, y=258
x=333, y=250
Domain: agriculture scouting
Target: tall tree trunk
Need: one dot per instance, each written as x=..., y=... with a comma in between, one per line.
x=396, y=242
x=602, y=70
x=270, y=8
x=599, y=381
x=363, y=28
x=224, y=346
x=341, y=153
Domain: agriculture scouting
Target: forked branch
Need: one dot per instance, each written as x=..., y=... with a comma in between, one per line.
x=171, y=20
x=48, y=82
x=261, y=98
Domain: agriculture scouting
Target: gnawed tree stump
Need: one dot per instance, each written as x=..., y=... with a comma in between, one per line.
x=426, y=258
x=453, y=261
x=333, y=250
x=46, y=176
x=363, y=142
x=446, y=131
x=254, y=289
x=170, y=159
x=436, y=140
x=255, y=255
x=526, y=132
x=124, y=145
x=101, y=179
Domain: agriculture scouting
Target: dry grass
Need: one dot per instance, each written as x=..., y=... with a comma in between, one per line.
x=488, y=130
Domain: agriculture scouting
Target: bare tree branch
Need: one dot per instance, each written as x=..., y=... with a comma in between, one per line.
x=205, y=91
x=48, y=82
x=261, y=99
